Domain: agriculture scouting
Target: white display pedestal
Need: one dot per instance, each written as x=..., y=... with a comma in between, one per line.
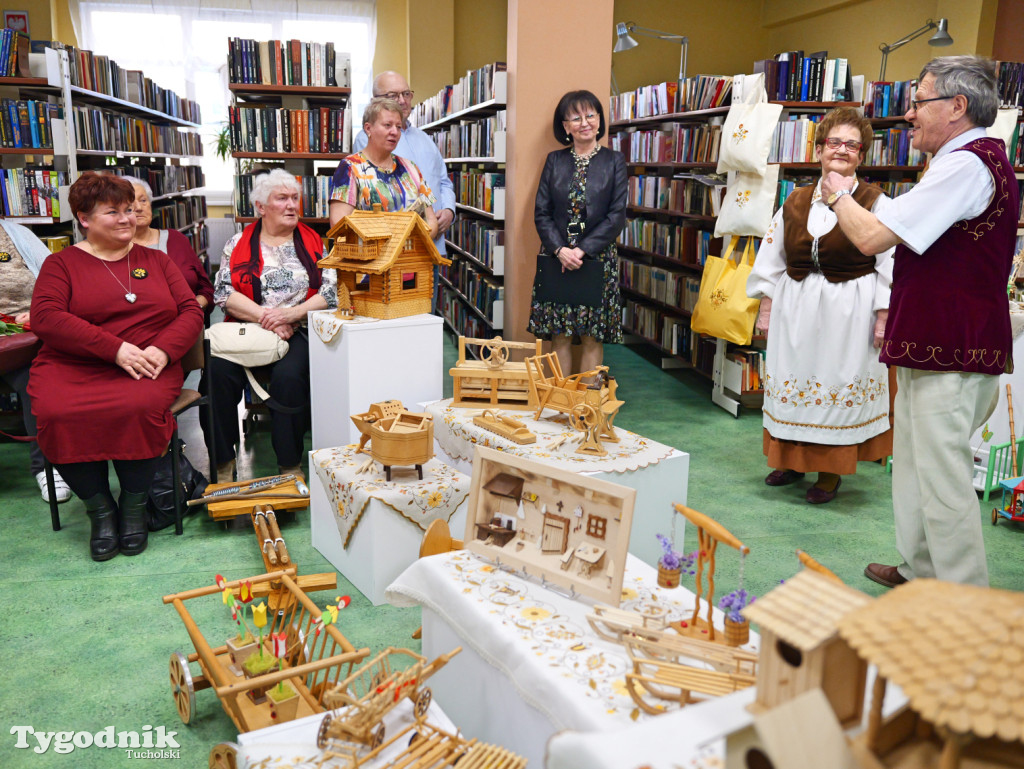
x=400, y=359
x=658, y=488
x=381, y=547
x=999, y=422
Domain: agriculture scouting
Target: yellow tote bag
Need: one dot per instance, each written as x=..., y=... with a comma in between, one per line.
x=723, y=307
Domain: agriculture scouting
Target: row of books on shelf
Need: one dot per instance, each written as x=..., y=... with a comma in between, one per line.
x=459, y=317
x=107, y=131
x=752, y=366
x=27, y=123
x=475, y=87
x=890, y=187
x=199, y=237
x=676, y=289
x=471, y=138
x=682, y=242
x=56, y=243
x=315, y=196
x=792, y=76
x=892, y=147
x=163, y=180
x=793, y=139
x=481, y=291
x=101, y=74
x=14, y=49
x=179, y=213
x=682, y=193
x=31, y=191
x=888, y=98
x=483, y=239
x=269, y=129
x=671, y=332
x=286, y=62
x=1010, y=81
x=1015, y=150
x=671, y=143
x=477, y=188
x=694, y=93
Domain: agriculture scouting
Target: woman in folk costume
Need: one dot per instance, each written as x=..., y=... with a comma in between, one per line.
x=827, y=399
x=269, y=276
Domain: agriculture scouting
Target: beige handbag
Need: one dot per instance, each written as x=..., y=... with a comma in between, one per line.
x=249, y=345
x=749, y=203
x=748, y=130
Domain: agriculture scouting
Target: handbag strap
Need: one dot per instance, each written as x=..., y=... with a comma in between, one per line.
x=748, y=252
x=267, y=398
x=733, y=242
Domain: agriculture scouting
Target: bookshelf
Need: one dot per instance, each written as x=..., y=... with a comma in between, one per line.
x=290, y=108
x=466, y=120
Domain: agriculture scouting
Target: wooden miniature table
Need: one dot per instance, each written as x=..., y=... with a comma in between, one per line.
x=531, y=665
x=659, y=473
x=398, y=359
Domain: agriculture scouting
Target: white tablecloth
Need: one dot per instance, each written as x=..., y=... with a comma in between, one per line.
x=533, y=641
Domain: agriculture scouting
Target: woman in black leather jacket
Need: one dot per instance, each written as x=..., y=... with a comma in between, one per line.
x=580, y=210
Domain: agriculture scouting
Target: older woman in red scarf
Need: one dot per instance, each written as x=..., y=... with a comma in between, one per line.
x=269, y=276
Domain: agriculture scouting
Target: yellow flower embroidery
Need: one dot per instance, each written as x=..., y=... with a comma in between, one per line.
x=718, y=297
x=435, y=499
x=742, y=198
x=740, y=134
x=535, y=613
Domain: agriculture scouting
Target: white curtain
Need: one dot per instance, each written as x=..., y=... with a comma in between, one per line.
x=182, y=44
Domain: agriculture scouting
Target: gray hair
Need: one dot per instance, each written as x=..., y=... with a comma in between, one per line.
x=140, y=183
x=972, y=76
x=266, y=183
x=380, y=104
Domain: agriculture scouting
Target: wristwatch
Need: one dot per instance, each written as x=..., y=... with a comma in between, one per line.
x=834, y=197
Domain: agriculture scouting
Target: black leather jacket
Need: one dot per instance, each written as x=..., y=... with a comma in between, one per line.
x=606, y=201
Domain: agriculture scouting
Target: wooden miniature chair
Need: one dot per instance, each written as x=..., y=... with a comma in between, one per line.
x=437, y=539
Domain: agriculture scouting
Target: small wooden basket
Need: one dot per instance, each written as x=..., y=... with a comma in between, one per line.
x=737, y=633
x=668, y=577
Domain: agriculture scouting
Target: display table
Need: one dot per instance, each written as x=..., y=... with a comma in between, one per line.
x=370, y=529
x=361, y=362
x=659, y=473
x=293, y=744
x=531, y=664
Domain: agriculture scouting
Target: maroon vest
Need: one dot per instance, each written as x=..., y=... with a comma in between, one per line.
x=837, y=258
x=948, y=310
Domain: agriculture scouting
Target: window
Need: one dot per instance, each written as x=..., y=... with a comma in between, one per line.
x=408, y=281
x=596, y=526
x=185, y=49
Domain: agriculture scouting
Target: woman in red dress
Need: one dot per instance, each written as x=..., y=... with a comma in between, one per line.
x=115, y=319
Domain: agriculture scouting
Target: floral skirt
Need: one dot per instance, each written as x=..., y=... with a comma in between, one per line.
x=604, y=323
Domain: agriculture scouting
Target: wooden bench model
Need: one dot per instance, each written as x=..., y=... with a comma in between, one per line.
x=493, y=380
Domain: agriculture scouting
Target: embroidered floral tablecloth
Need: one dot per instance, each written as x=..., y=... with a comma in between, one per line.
x=441, y=491
x=455, y=432
x=539, y=639
x=326, y=324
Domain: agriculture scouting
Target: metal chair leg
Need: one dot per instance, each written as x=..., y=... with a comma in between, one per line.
x=179, y=502
x=51, y=489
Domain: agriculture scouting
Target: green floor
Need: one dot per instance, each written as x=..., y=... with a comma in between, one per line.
x=86, y=644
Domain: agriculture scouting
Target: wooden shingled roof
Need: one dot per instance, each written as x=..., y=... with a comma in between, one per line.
x=805, y=609
x=957, y=651
x=391, y=228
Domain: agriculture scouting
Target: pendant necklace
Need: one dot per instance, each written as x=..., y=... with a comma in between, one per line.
x=127, y=291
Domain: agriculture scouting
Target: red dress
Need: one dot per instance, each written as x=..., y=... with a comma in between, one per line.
x=87, y=407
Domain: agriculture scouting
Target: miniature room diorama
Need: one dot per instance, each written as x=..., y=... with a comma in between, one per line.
x=385, y=261
x=567, y=528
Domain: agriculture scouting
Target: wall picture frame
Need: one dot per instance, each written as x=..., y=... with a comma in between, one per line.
x=17, y=20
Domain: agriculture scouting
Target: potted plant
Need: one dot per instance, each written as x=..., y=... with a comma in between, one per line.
x=243, y=644
x=737, y=627
x=260, y=662
x=671, y=563
x=284, y=700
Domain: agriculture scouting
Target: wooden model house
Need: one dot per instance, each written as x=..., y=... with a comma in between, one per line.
x=800, y=734
x=385, y=259
x=801, y=648
x=956, y=652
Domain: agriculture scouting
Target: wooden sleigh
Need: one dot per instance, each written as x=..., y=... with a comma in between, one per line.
x=591, y=407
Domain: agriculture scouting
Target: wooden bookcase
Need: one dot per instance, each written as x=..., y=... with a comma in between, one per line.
x=473, y=142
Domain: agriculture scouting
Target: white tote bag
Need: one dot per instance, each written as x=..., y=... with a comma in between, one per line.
x=748, y=131
x=749, y=203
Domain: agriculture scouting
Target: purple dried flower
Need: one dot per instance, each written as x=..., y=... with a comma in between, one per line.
x=732, y=603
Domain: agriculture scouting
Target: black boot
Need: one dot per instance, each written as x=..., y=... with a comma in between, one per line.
x=103, y=537
x=131, y=522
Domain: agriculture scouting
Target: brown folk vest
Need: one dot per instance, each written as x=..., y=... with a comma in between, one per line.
x=838, y=259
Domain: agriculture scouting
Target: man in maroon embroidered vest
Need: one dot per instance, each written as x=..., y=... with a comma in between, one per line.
x=948, y=331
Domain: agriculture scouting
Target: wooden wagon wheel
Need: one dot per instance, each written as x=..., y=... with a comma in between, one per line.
x=324, y=731
x=224, y=755
x=995, y=516
x=378, y=737
x=583, y=417
x=494, y=353
x=182, y=689
x=423, y=702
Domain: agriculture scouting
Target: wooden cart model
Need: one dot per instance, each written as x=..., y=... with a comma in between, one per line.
x=396, y=436
x=1010, y=507
x=591, y=407
x=318, y=657
x=493, y=380
x=368, y=694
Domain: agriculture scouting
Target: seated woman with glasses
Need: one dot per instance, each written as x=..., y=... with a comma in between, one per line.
x=579, y=212
x=827, y=399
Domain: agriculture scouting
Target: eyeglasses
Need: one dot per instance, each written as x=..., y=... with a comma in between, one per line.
x=834, y=143
x=577, y=121
x=918, y=102
x=397, y=95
